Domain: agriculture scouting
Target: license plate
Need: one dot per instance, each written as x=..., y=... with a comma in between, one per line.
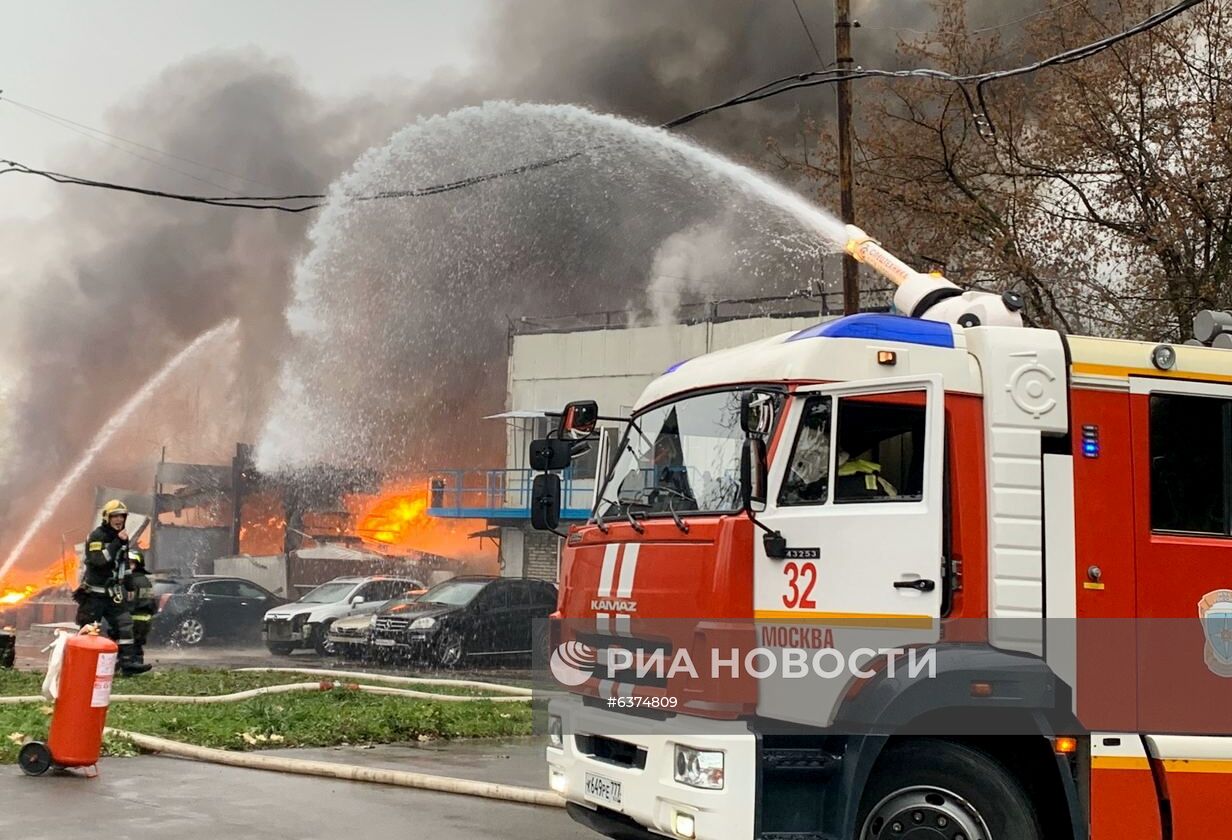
x=604, y=790
x=384, y=642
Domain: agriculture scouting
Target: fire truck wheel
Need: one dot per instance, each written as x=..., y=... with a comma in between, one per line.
x=280, y=649
x=450, y=650
x=34, y=758
x=938, y=789
x=191, y=631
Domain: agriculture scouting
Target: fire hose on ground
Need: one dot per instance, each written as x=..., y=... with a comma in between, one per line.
x=346, y=772
x=325, y=769
x=290, y=688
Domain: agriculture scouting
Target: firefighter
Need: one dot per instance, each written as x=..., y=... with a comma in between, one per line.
x=670, y=473
x=141, y=602
x=102, y=594
x=860, y=478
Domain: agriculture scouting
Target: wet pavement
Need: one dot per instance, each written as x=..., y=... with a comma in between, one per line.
x=150, y=797
x=232, y=655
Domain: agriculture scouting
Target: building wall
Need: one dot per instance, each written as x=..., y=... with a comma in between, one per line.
x=512, y=551
x=613, y=366
x=542, y=555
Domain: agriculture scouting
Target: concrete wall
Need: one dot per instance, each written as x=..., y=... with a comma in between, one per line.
x=542, y=555
x=512, y=552
x=269, y=571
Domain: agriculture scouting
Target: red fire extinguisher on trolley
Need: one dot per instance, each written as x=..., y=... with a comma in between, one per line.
x=84, y=693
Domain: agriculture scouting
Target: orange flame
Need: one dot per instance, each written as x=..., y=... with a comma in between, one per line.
x=264, y=524
x=15, y=596
x=393, y=519
x=56, y=574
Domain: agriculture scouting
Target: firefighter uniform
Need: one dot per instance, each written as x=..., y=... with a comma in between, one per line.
x=141, y=605
x=859, y=478
x=102, y=594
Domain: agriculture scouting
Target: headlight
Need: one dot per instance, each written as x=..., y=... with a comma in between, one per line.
x=699, y=768
x=372, y=622
x=423, y=624
x=556, y=732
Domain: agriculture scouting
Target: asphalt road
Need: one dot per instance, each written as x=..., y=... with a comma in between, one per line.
x=154, y=797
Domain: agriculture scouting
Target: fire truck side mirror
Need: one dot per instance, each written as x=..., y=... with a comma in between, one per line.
x=550, y=454
x=753, y=474
x=756, y=413
x=545, y=502
x=579, y=418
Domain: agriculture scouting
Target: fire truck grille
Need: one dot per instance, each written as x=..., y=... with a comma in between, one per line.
x=612, y=751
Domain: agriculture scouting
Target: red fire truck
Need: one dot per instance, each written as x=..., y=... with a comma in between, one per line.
x=925, y=576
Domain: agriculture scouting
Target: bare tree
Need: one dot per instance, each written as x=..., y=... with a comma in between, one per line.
x=1105, y=192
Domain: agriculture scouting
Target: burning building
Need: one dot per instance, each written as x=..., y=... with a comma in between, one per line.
x=291, y=532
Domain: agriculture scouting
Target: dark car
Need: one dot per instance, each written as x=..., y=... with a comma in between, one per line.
x=191, y=611
x=466, y=617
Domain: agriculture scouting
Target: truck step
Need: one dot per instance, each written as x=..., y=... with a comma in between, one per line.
x=797, y=758
x=795, y=835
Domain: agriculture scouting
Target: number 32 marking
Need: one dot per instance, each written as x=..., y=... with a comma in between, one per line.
x=800, y=580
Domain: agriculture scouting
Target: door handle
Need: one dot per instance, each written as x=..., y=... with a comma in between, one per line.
x=921, y=585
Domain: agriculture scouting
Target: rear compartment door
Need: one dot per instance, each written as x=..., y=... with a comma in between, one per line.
x=856, y=489
x=1182, y=462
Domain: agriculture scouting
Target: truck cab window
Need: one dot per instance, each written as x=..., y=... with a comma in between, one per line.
x=880, y=451
x=1190, y=446
x=808, y=471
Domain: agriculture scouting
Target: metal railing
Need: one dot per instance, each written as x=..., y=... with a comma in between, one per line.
x=501, y=494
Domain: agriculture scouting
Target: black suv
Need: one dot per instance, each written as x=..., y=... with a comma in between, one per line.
x=465, y=617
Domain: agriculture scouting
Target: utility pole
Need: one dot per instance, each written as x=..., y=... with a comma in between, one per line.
x=847, y=206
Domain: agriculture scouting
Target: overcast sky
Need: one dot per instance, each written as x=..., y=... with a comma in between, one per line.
x=76, y=59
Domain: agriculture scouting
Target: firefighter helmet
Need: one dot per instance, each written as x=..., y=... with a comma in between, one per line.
x=114, y=508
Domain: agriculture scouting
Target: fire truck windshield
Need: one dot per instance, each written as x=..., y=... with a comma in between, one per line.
x=682, y=456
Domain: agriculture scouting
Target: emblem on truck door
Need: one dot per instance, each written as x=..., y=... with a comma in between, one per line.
x=1215, y=613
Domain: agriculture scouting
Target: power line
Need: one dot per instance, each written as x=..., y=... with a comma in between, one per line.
x=821, y=62
x=65, y=125
x=1049, y=11
x=48, y=115
x=1052, y=10
x=765, y=91
x=242, y=202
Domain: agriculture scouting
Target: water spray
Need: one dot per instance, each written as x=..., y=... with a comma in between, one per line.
x=931, y=296
x=104, y=436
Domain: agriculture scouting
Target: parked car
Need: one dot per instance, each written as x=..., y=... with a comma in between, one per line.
x=351, y=637
x=191, y=611
x=306, y=622
x=465, y=617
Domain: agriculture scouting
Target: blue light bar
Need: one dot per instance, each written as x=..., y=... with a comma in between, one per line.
x=881, y=327
x=675, y=366
x=1090, y=441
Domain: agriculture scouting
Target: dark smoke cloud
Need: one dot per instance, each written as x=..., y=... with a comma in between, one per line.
x=118, y=284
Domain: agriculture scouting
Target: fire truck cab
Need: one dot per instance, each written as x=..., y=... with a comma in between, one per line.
x=902, y=578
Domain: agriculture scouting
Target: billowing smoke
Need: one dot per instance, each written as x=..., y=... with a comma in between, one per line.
x=104, y=292
x=692, y=261
x=109, y=287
